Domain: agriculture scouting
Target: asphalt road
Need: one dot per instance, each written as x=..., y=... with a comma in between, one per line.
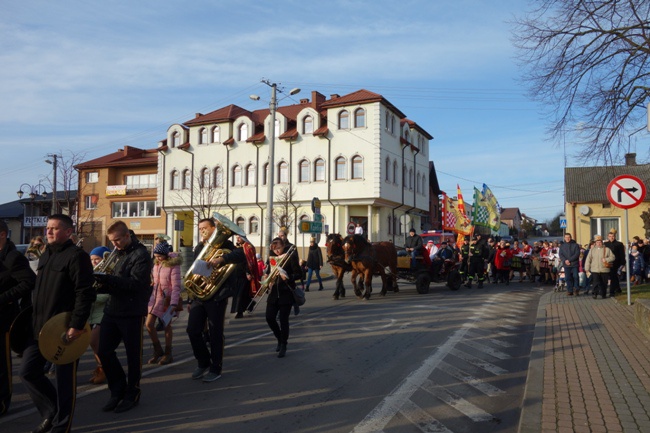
x=442, y=362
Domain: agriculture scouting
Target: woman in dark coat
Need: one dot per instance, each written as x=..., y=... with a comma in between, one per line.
x=280, y=298
x=314, y=263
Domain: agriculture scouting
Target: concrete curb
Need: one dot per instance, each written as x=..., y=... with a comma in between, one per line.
x=530, y=420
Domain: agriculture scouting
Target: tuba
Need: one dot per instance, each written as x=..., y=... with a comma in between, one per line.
x=202, y=281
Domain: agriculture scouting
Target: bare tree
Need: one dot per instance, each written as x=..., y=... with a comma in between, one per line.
x=285, y=212
x=588, y=61
x=203, y=197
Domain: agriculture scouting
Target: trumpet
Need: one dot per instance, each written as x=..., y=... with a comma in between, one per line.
x=107, y=265
x=271, y=279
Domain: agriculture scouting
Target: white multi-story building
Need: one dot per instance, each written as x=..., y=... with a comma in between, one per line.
x=357, y=153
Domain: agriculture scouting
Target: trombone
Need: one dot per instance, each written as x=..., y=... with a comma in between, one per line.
x=270, y=280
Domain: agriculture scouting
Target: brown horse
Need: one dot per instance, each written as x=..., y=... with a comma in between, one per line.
x=336, y=259
x=378, y=258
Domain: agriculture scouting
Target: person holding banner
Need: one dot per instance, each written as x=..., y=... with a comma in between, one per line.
x=164, y=301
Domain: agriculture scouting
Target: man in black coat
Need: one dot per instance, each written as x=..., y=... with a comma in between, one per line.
x=413, y=246
x=129, y=287
x=618, y=249
x=64, y=283
x=569, y=257
x=16, y=283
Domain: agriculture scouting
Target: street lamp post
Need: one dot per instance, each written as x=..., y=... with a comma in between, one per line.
x=33, y=191
x=54, y=170
x=270, y=177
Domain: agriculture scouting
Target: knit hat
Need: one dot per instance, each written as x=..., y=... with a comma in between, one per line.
x=161, y=248
x=99, y=251
x=258, y=256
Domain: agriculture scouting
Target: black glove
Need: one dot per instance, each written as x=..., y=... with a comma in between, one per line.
x=104, y=281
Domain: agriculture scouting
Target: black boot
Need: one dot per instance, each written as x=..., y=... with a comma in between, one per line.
x=480, y=284
x=320, y=286
x=278, y=347
x=283, y=350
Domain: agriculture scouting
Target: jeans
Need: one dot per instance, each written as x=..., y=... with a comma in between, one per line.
x=571, y=274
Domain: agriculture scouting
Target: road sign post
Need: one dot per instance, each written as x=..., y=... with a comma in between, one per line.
x=625, y=192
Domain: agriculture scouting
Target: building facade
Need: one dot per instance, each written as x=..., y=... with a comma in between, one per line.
x=119, y=186
x=357, y=153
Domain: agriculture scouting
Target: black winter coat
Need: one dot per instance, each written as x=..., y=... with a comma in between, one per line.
x=16, y=284
x=130, y=282
x=314, y=257
x=64, y=282
x=281, y=290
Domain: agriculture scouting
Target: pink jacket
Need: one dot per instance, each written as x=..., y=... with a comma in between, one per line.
x=166, y=282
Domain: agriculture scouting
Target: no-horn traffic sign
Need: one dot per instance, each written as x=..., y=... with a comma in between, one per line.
x=626, y=191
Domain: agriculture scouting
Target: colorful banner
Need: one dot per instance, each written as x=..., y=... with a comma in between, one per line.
x=454, y=220
x=486, y=209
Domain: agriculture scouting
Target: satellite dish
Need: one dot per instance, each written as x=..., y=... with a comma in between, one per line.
x=584, y=210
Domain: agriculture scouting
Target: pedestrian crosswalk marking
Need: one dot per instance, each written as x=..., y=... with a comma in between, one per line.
x=484, y=387
x=471, y=411
x=425, y=422
x=491, y=340
x=487, y=349
x=478, y=362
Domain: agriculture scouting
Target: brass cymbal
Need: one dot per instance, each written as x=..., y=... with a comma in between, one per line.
x=52, y=343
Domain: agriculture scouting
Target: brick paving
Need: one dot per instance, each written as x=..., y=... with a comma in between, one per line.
x=589, y=369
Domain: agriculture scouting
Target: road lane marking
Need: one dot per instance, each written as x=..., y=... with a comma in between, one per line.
x=484, y=387
x=424, y=422
x=487, y=349
x=478, y=362
x=471, y=411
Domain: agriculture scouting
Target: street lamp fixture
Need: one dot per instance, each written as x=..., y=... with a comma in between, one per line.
x=269, y=198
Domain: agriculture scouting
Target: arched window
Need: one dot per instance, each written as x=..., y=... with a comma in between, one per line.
x=236, y=175
x=417, y=184
x=307, y=125
x=250, y=175
x=284, y=221
x=175, y=180
x=277, y=128
x=205, y=178
x=241, y=222
x=187, y=179
x=216, y=137
x=176, y=139
x=360, y=118
x=411, y=178
x=395, y=172
x=392, y=124
x=388, y=167
x=265, y=178
x=303, y=171
x=387, y=123
x=319, y=170
x=357, y=167
x=407, y=136
x=243, y=132
x=218, y=177
x=404, y=176
x=340, y=168
x=253, y=225
x=344, y=120
x=283, y=172
x=203, y=136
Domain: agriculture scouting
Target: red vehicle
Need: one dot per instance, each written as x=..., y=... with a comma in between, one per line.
x=437, y=236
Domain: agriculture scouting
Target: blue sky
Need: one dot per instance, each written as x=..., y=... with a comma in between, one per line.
x=88, y=78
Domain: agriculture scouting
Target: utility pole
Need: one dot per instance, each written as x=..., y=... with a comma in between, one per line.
x=271, y=179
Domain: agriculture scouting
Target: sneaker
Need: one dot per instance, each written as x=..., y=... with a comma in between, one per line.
x=199, y=372
x=211, y=377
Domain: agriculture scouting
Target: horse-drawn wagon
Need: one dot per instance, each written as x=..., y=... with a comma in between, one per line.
x=423, y=273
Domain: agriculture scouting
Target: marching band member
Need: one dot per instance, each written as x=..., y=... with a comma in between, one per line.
x=96, y=314
x=64, y=282
x=210, y=361
x=16, y=283
x=129, y=287
x=280, y=299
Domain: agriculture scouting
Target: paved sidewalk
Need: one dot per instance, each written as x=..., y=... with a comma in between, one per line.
x=589, y=368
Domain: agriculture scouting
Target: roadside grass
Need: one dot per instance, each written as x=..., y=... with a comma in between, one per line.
x=642, y=291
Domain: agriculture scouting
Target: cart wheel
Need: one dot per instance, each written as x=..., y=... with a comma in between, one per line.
x=454, y=280
x=422, y=283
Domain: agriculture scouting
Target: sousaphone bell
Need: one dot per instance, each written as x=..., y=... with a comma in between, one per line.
x=54, y=344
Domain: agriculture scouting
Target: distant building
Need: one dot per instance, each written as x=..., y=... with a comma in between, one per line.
x=588, y=209
x=119, y=186
x=357, y=153
x=512, y=218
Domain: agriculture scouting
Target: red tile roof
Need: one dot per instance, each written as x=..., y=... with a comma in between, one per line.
x=127, y=156
x=290, y=134
x=321, y=132
x=228, y=113
x=362, y=96
x=257, y=138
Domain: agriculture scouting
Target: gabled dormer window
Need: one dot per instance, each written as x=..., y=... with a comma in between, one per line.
x=307, y=125
x=344, y=120
x=216, y=137
x=243, y=132
x=203, y=136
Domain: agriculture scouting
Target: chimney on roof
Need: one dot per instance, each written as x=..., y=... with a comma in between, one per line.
x=197, y=115
x=630, y=159
x=304, y=101
x=335, y=96
x=317, y=99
